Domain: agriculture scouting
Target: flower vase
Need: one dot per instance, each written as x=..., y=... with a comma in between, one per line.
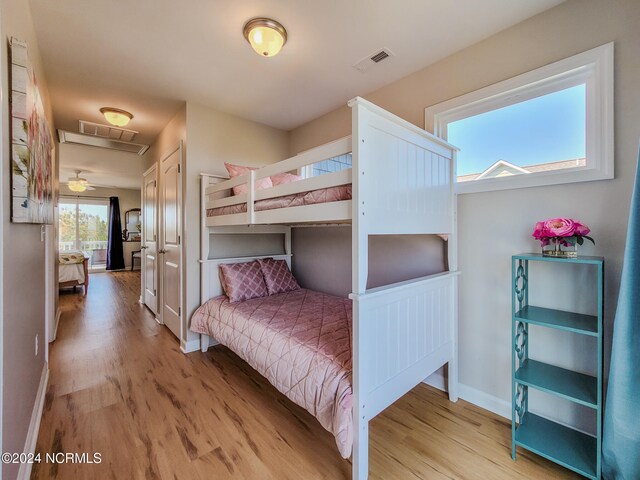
x=556, y=250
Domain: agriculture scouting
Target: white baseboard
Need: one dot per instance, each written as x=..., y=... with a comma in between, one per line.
x=58, y=314
x=193, y=345
x=472, y=395
x=24, y=473
x=437, y=380
x=484, y=400
x=190, y=346
x=488, y=402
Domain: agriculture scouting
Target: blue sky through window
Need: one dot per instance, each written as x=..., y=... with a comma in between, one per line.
x=545, y=129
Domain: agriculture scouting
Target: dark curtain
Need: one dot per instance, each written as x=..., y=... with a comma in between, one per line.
x=115, y=256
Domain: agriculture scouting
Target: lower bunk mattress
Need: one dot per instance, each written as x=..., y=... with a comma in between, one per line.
x=323, y=195
x=301, y=342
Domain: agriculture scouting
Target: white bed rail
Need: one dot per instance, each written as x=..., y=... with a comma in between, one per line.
x=402, y=175
x=220, y=195
x=407, y=336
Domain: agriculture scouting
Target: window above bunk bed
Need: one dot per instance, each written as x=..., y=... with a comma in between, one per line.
x=330, y=165
x=549, y=126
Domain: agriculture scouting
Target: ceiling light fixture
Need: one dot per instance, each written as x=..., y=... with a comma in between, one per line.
x=265, y=35
x=115, y=116
x=77, y=183
x=76, y=186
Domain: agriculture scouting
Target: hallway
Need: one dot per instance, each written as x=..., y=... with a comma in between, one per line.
x=119, y=386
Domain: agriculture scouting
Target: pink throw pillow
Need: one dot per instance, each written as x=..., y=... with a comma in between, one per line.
x=237, y=170
x=277, y=276
x=282, y=178
x=242, y=281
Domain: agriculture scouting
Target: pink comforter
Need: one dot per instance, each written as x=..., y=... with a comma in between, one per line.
x=300, y=341
x=323, y=195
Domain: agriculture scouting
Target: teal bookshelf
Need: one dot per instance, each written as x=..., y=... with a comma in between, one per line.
x=570, y=448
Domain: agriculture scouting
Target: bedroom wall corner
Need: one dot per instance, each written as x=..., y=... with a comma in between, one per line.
x=23, y=268
x=216, y=137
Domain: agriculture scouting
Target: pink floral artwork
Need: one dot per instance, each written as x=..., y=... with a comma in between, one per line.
x=31, y=144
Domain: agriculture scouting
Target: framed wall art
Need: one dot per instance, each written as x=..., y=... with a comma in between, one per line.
x=31, y=144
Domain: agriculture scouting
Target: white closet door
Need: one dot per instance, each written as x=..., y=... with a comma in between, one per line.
x=170, y=255
x=150, y=239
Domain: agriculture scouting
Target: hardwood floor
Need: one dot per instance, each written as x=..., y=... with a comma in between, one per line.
x=119, y=386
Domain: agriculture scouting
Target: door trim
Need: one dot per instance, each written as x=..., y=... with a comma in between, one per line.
x=178, y=148
x=143, y=256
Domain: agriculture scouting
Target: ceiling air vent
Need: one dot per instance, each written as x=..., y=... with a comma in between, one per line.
x=107, y=131
x=373, y=59
x=378, y=57
x=100, y=141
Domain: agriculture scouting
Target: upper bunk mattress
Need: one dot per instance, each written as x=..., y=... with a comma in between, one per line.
x=323, y=195
x=300, y=341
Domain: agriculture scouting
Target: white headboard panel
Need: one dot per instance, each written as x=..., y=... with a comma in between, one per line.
x=211, y=286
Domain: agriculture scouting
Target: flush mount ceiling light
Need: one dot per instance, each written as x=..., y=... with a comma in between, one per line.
x=265, y=35
x=115, y=116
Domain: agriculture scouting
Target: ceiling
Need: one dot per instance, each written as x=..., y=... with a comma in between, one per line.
x=101, y=167
x=150, y=56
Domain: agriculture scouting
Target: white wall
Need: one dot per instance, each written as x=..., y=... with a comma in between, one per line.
x=23, y=263
x=495, y=225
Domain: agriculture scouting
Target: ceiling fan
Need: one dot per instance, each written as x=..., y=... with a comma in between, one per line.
x=78, y=184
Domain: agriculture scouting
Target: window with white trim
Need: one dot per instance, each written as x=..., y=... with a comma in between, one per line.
x=549, y=126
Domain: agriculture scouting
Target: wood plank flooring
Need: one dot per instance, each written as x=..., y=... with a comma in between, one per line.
x=120, y=386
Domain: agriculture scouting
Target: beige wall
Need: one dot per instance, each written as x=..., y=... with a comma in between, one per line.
x=23, y=264
x=214, y=138
x=128, y=199
x=169, y=138
x=322, y=258
x=495, y=225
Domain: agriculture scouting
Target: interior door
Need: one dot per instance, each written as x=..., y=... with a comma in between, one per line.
x=170, y=256
x=150, y=239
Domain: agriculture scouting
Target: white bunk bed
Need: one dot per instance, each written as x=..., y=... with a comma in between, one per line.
x=402, y=184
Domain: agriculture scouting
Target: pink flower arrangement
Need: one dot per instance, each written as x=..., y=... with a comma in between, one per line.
x=562, y=231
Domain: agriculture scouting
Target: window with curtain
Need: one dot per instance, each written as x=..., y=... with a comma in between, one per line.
x=83, y=224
